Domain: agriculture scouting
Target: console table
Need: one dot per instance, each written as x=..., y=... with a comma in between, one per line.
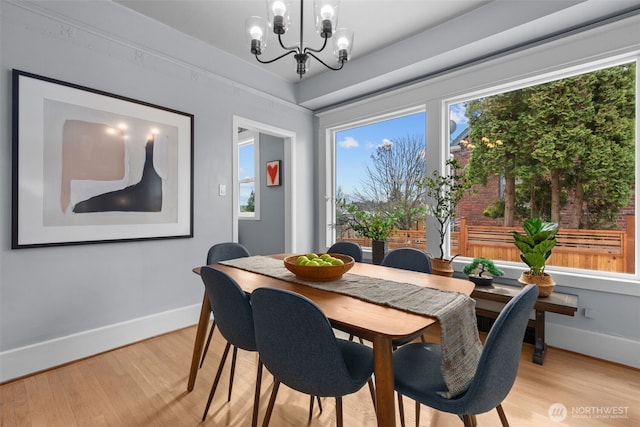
x=557, y=302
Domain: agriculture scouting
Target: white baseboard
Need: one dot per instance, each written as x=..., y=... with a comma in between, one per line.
x=26, y=360
x=608, y=347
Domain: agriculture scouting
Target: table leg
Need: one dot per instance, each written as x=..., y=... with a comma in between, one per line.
x=383, y=370
x=540, y=345
x=201, y=334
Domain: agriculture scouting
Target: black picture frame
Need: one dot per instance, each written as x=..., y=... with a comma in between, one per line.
x=94, y=167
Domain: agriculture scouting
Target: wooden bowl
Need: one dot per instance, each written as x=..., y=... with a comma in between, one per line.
x=319, y=274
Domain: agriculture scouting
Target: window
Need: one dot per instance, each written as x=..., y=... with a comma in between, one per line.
x=565, y=151
x=441, y=98
x=248, y=176
x=378, y=167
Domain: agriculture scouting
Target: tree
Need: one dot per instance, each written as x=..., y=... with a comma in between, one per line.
x=251, y=203
x=496, y=140
x=392, y=182
x=570, y=140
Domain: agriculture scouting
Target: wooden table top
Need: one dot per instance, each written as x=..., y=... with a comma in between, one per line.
x=353, y=315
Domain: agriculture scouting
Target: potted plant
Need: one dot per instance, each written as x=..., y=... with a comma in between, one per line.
x=481, y=271
x=444, y=192
x=535, y=247
x=375, y=225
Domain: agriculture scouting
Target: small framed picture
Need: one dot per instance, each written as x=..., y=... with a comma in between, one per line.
x=273, y=173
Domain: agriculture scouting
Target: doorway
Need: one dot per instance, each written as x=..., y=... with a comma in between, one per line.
x=269, y=135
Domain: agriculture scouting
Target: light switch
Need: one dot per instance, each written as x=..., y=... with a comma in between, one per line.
x=222, y=190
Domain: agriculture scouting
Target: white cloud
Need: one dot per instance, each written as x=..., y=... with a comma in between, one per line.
x=387, y=144
x=456, y=113
x=348, y=142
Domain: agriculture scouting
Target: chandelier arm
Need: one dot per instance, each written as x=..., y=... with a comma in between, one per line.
x=325, y=64
x=308, y=49
x=275, y=59
x=292, y=48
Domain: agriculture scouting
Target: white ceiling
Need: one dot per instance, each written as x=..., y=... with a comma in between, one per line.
x=376, y=24
x=395, y=41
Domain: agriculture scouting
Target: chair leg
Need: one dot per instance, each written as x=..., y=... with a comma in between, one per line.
x=339, y=411
x=468, y=421
x=256, y=399
x=372, y=390
x=206, y=346
x=503, y=417
x=215, y=381
x=233, y=371
x=401, y=409
x=272, y=401
x=417, y=413
x=351, y=336
x=312, y=398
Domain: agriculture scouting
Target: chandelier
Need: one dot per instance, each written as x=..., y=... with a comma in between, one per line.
x=326, y=18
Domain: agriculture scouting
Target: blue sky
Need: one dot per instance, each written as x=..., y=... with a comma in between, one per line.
x=355, y=146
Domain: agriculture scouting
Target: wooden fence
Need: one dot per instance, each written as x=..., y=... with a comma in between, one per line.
x=603, y=250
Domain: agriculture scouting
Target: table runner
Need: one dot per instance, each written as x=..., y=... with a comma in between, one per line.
x=461, y=346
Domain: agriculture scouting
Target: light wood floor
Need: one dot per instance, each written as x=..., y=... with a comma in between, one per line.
x=145, y=385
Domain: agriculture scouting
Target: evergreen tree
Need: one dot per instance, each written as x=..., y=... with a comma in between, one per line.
x=567, y=140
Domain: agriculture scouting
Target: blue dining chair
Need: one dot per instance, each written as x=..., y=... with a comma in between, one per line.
x=352, y=249
x=418, y=375
x=234, y=317
x=222, y=252
x=297, y=345
x=408, y=259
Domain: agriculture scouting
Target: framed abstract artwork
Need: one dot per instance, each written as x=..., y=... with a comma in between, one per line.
x=94, y=167
x=273, y=173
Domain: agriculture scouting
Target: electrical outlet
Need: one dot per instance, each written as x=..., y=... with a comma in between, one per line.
x=222, y=190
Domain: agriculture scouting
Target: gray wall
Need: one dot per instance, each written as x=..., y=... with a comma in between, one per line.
x=62, y=303
x=266, y=235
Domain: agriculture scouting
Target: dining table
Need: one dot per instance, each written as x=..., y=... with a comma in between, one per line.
x=379, y=324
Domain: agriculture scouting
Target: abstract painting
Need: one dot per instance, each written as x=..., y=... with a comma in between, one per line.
x=93, y=167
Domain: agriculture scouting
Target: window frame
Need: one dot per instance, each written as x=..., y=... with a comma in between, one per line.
x=591, y=49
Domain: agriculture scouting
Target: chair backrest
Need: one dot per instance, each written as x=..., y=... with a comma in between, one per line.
x=498, y=365
x=347, y=248
x=297, y=345
x=226, y=251
x=231, y=308
x=408, y=259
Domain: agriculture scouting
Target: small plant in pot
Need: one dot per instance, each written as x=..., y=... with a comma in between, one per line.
x=375, y=225
x=481, y=271
x=535, y=247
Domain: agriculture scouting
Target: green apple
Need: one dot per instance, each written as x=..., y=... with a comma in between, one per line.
x=301, y=259
x=312, y=256
x=337, y=261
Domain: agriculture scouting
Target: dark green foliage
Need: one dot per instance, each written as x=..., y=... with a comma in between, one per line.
x=536, y=245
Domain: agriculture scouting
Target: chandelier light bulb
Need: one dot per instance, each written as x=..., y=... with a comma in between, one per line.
x=279, y=8
x=256, y=32
x=327, y=12
x=342, y=43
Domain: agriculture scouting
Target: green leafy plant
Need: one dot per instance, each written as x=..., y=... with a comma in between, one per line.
x=444, y=192
x=482, y=267
x=536, y=244
x=376, y=225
